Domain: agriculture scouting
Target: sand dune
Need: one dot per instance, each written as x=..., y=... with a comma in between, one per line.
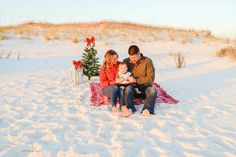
x=44, y=114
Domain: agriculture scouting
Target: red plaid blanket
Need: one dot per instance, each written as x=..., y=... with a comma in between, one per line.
x=98, y=99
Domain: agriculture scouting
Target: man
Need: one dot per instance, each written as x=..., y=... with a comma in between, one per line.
x=143, y=73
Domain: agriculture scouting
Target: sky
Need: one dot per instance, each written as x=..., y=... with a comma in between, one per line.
x=217, y=16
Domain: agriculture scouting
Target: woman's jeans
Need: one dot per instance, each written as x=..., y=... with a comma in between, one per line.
x=114, y=92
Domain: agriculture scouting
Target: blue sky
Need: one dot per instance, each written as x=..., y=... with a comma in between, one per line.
x=215, y=15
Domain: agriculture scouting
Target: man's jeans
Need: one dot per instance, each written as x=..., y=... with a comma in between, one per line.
x=149, y=95
x=114, y=92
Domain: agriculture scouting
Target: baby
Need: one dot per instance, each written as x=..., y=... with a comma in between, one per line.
x=122, y=78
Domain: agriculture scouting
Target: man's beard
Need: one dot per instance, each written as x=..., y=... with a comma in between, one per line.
x=133, y=62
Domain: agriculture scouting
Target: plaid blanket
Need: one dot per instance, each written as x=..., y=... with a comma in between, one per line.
x=98, y=99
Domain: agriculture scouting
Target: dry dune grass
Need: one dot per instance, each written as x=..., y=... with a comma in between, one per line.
x=178, y=58
x=2, y=36
x=74, y=40
x=228, y=51
x=123, y=31
x=50, y=33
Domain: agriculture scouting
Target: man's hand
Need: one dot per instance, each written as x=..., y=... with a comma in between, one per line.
x=122, y=87
x=132, y=79
x=119, y=80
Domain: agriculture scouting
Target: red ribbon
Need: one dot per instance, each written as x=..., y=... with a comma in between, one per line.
x=91, y=40
x=77, y=64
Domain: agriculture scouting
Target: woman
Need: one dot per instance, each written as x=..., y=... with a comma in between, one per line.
x=107, y=76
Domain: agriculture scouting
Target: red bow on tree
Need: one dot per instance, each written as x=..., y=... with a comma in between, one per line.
x=89, y=41
x=77, y=64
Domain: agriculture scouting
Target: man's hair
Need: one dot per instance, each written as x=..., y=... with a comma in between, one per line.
x=133, y=50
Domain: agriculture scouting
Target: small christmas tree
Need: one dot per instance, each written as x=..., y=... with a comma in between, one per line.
x=90, y=62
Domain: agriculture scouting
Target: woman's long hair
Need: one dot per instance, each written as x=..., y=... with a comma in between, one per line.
x=108, y=58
